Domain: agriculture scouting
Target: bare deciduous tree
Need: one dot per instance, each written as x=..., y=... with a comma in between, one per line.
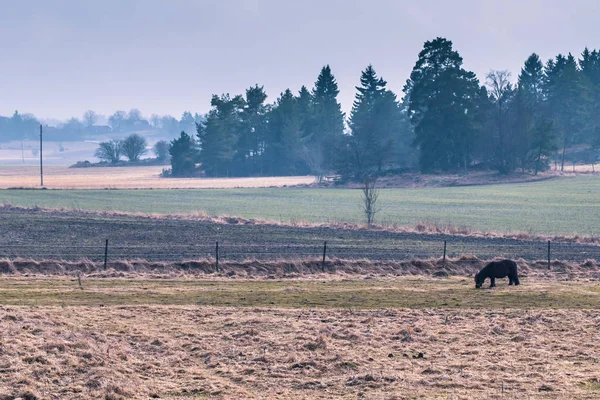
x=312, y=155
x=134, y=146
x=161, y=150
x=89, y=119
x=110, y=151
x=501, y=90
x=370, y=195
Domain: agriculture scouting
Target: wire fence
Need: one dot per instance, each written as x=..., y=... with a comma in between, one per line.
x=308, y=250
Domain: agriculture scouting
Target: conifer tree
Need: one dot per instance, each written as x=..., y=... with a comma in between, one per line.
x=590, y=70
x=283, y=150
x=306, y=113
x=252, y=133
x=375, y=123
x=440, y=96
x=565, y=100
x=327, y=126
x=183, y=153
x=218, y=135
x=535, y=133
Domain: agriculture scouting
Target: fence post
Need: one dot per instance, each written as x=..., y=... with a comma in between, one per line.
x=105, y=253
x=217, y=255
x=548, y=254
x=444, y=260
x=324, y=254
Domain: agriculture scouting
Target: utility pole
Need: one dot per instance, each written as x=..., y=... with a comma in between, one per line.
x=41, y=163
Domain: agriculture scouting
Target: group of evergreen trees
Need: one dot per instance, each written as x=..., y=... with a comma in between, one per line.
x=446, y=121
x=300, y=133
x=457, y=122
x=244, y=135
x=91, y=125
x=19, y=127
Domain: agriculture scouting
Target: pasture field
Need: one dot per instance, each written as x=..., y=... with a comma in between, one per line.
x=562, y=206
x=319, y=338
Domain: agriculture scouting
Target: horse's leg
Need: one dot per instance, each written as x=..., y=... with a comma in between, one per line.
x=510, y=281
x=493, y=282
x=517, y=280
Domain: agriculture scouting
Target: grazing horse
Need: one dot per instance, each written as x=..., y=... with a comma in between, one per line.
x=498, y=269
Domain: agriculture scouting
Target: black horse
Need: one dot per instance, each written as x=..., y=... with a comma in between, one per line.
x=498, y=269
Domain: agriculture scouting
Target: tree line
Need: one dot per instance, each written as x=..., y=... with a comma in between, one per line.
x=447, y=120
x=133, y=147
x=504, y=126
x=26, y=126
x=300, y=133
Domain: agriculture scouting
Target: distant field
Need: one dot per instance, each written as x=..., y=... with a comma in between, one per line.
x=558, y=206
x=55, y=153
x=297, y=339
x=127, y=178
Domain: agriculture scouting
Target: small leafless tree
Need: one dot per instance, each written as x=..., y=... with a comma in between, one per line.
x=370, y=195
x=110, y=151
x=161, y=150
x=134, y=146
x=312, y=155
x=89, y=119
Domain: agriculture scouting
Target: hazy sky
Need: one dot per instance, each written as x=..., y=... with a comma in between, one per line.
x=59, y=58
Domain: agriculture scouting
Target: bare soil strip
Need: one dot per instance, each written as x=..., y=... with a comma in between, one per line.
x=69, y=235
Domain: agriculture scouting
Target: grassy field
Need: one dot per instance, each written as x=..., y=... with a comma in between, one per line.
x=557, y=206
x=327, y=293
x=401, y=338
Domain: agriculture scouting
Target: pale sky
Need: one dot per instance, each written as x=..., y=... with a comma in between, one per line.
x=59, y=58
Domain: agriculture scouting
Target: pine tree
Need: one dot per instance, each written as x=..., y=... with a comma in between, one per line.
x=218, y=135
x=306, y=113
x=283, y=150
x=543, y=144
x=565, y=99
x=327, y=126
x=531, y=83
x=252, y=133
x=535, y=132
x=590, y=70
x=183, y=153
x=375, y=123
x=440, y=96
x=187, y=122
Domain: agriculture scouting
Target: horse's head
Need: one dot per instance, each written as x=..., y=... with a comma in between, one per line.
x=478, y=281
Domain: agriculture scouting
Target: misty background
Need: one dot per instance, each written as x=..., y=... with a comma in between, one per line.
x=496, y=85
x=64, y=57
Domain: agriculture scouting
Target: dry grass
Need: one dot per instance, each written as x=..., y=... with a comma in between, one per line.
x=148, y=177
x=288, y=268
x=129, y=178
x=143, y=352
x=386, y=338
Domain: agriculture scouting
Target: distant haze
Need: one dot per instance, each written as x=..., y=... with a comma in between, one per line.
x=59, y=58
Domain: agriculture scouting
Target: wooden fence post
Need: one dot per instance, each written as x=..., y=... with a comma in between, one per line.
x=324, y=255
x=444, y=260
x=548, y=254
x=105, y=253
x=217, y=256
